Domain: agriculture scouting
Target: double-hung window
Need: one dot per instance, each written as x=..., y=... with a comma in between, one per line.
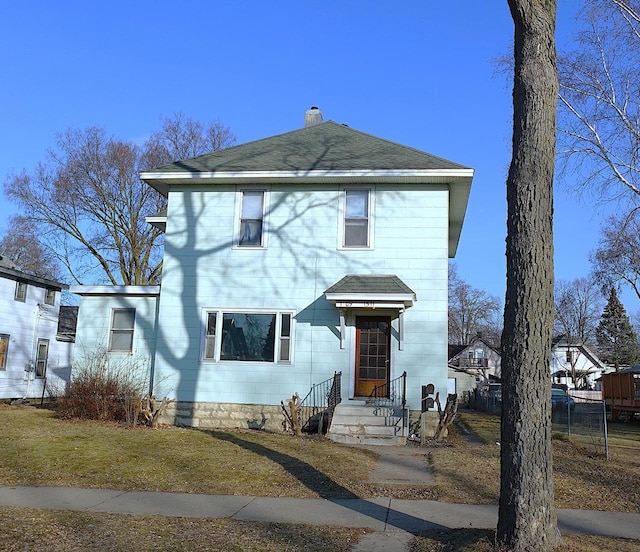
x=21, y=292
x=251, y=218
x=42, y=356
x=50, y=296
x=121, y=335
x=356, y=218
x=248, y=336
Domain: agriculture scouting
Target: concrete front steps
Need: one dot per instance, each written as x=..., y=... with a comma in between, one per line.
x=359, y=423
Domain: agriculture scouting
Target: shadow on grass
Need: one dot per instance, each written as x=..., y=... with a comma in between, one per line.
x=310, y=477
x=330, y=490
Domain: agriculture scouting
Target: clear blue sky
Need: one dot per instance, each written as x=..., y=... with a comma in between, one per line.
x=416, y=72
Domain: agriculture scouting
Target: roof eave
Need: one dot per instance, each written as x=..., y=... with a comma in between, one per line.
x=116, y=290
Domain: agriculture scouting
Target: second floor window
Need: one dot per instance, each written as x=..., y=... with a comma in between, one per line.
x=251, y=218
x=356, y=218
x=21, y=292
x=50, y=296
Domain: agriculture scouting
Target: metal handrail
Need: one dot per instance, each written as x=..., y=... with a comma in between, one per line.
x=393, y=393
x=319, y=404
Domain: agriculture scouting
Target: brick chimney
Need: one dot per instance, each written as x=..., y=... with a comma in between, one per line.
x=312, y=116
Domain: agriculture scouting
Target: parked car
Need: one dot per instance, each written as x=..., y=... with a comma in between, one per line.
x=560, y=399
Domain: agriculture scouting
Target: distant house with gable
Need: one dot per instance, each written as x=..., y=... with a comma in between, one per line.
x=473, y=365
x=569, y=357
x=36, y=335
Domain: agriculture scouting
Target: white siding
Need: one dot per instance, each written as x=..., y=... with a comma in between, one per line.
x=25, y=323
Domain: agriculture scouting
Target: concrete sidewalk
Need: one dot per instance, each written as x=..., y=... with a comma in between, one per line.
x=382, y=515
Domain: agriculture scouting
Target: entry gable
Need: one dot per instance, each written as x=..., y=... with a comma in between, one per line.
x=371, y=291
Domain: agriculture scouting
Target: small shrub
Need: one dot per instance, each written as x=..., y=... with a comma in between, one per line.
x=103, y=390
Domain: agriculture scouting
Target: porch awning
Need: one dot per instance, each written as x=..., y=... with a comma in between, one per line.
x=370, y=292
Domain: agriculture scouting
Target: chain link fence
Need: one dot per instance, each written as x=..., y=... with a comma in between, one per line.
x=581, y=418
x=585, y=421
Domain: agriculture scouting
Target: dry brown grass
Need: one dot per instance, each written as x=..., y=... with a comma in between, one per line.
x=477, y=540
x=470, y=471
x=48, y=530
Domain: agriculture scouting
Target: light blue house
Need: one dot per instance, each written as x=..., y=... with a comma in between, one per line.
x=289, y=259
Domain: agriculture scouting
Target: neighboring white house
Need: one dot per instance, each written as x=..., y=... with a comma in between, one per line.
x=286, y=260
x=568, y=358
x=35, y=358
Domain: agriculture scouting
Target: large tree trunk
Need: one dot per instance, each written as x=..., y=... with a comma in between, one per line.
x=527, y=517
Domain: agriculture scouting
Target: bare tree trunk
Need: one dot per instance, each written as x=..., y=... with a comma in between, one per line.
x=446, y=417
x=527, y=518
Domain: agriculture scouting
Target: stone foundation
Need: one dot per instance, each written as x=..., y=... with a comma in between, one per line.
x=224, y=416
x=253, y=416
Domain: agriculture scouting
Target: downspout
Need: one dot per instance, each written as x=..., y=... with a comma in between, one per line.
x=34, y=347
x=152, y=365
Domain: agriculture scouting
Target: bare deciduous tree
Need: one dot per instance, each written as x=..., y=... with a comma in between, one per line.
x=471, y=311
x=21, y=246
x=600, y=99
x=578, y=307
x=89, y=205
x=527, y=517
x=616, y=261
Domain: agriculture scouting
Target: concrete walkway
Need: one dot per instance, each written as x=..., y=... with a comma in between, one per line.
x=395, y=518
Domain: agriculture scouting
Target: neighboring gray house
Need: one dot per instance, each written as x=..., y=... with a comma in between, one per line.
x=35, y=357
x=288, y=259
x=473, y=365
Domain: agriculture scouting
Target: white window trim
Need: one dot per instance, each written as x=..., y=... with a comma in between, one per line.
x=38, y=360
x=220, y=312
x=238, y=214
x=16, y=296
x=111, y=350
x=53, y=296
x=342, y=210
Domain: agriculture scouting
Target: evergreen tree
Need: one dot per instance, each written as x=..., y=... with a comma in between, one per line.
x=617, y=340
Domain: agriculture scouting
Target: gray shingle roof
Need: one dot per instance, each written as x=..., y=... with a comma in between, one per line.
x=325, y=146
x=356, y=283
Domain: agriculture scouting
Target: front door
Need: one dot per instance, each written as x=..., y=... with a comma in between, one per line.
x=373, y=339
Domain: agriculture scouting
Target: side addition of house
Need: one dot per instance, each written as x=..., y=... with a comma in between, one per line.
x=287, y=260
